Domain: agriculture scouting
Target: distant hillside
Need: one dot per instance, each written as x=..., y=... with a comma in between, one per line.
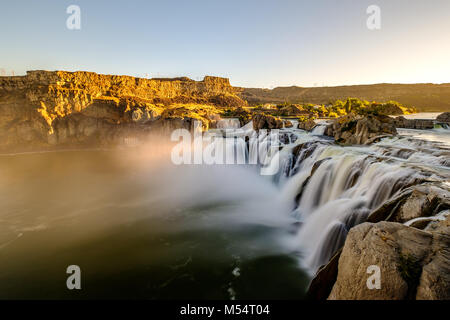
x=425, y=97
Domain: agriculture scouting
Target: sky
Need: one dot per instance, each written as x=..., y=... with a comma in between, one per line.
x=255, y=43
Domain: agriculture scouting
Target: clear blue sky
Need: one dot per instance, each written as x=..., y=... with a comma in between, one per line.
x=256, y=43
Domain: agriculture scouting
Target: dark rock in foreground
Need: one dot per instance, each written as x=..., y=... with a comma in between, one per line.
x=414, y=264
x=413, y=257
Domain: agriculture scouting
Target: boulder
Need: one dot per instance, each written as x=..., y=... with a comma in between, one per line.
x=444, y=117
x=287, y=124
x=352, y=129
x=265, y=121
x=414, y=264
x=425, y=200
x=307, y=125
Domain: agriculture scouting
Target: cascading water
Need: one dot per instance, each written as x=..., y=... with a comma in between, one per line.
x=319, y=129
x=333, y=188
x=131, y=216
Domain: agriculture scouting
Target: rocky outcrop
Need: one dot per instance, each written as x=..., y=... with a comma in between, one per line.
x=422, y=124
x=265, y=121
x=352, y=129
x=307, y=125
x=242, y=114
x=444, y=117
x=47, y=108
x=425, y=200
x=292, y=110
x=321, y=285
x=423, y=211
x=413, y=264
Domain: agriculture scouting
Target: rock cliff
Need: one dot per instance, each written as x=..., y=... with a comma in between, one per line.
x=47, y=108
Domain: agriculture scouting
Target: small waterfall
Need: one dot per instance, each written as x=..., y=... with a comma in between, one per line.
x=319, y=129
x=442, y=126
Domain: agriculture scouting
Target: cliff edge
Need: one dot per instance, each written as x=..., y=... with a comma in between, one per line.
x=45, y=108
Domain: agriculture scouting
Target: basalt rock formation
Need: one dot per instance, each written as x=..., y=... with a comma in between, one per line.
x=265, y=121
x=413, y=264
x=444, y=117
x=307, y=125
x=402, y=122
x=47, y=108
x=408, y=238
x=352, y=129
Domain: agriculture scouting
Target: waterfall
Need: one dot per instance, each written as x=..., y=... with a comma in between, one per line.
x=294, y=123
x=331, y=188
x=319, y=129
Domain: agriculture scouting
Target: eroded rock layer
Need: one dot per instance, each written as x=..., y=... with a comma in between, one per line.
x=51, y=108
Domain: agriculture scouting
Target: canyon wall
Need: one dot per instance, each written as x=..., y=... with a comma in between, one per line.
x=45, y=108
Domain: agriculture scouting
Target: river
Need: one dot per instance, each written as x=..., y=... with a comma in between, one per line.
x=139, y=226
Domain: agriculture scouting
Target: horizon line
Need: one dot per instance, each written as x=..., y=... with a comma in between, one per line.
x=263, y=88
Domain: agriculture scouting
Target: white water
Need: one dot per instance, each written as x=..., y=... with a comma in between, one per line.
x=347, y=182
x=319, y=130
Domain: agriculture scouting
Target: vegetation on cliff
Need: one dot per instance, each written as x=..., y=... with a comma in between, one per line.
x=336, y=109
x=46, y=108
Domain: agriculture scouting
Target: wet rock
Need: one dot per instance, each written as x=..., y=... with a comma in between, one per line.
x=414, y=264
x=307, y=125
x=287, y=124
x=444, y=117
x=322, y=283
x=351, y=129
x=422, y=124
x=423, y=200
x=265, y=121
